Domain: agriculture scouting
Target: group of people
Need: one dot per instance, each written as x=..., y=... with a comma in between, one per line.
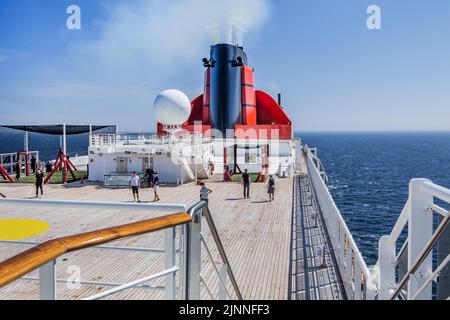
x=152, y=179
x=153, y=183
x=246, y=181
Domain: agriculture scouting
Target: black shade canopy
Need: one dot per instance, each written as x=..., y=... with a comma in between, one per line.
x=59, y=129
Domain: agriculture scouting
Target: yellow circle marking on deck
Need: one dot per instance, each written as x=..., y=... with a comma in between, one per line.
x=20, y=229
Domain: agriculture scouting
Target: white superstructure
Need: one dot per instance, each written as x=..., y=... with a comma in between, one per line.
x=180, y=156
x=180, y=159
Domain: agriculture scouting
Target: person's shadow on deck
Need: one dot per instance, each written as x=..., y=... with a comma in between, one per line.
x=239, y=199
x=234, y=199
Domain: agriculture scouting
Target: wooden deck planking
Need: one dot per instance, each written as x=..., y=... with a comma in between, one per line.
x=255, y=235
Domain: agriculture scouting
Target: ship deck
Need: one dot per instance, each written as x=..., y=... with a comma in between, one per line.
x=255, y=234
x=314, y=273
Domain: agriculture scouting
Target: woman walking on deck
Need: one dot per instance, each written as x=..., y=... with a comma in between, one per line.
x=271, y=188
x=156, y=187
x=39, y=183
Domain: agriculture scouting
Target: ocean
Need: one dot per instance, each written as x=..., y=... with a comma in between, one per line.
x=47, y=145
x=369, y=175
x=368, y=172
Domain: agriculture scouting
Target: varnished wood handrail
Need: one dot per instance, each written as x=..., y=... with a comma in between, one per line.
x=20, y=265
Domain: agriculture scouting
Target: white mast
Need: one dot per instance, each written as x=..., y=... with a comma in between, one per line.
x=64, y=139
x=26, y=149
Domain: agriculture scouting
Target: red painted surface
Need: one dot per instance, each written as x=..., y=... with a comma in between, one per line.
x=5, y=174
x=159, y=130
x=264, y=131
x=226, y=174
x=206, y=98
x=62, y=162
x=196, y=111
x=249, y=115
x=269, y=111
x=263, y=117
x=249, y=110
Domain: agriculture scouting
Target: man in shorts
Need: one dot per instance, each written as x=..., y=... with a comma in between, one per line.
x=204, y=193
x=134, y=184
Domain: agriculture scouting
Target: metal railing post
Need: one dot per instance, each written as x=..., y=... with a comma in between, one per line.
x=386, y=254
x=196, y=255
x=170, y=263
x=192, y=257
x=223, y=295
x=357, y=274
x=420, y=230
x=349, y=272
x=186, y=260
x=47, y=281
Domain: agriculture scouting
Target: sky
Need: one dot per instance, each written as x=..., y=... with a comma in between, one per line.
x=333, y=72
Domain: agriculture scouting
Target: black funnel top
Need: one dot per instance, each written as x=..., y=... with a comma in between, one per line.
x=225, y=86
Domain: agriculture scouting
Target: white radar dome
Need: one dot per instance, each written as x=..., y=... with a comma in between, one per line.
x=172, y=108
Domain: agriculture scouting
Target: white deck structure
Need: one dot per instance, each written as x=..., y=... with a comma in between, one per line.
x=183, y=158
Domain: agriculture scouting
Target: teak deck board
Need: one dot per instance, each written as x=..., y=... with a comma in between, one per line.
x=255, y=235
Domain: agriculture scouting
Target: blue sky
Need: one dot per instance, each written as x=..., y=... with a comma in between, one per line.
x=334, y=73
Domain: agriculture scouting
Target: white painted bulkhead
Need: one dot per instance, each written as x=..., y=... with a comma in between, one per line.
x=182, y=160
x=249, y=155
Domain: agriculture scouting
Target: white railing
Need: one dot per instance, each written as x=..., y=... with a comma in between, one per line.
x=319, y=166
x=111, y=140
x=356, y=278
x=417, y=219
x=194, y=242
x=188, y=265
x=47, y=273
x=9, y=161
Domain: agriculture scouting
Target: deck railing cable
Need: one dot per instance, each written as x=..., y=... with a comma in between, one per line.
x=356, y=277
x=44, y=255
x=192, y=256
x=422, y=239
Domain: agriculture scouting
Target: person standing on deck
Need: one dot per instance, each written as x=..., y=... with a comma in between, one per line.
x=204, y=193
x=149, y=176
x=18, y=168
x=271, y=188
x=39, y=183
x=156, y=187
x=134, y=185
x=246, y=183
x=49, y=169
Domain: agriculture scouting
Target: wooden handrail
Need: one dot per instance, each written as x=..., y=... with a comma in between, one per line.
x=20, y=265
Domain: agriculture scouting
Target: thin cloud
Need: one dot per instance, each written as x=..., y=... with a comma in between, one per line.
x=139, y=49
x=161, y=38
